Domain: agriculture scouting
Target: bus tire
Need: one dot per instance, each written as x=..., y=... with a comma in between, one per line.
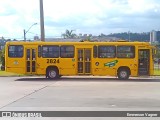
x=52, y=73
x=123, y=74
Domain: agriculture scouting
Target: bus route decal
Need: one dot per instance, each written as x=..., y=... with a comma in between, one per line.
x=111, y=64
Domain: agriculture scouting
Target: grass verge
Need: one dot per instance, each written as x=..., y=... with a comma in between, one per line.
x=157, y=72
x=4, y=73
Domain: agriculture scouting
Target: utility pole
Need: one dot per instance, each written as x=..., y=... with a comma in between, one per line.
x=24, y=31
x=42, y=21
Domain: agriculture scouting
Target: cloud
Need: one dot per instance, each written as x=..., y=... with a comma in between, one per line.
x=9, y=12
x=90, y=16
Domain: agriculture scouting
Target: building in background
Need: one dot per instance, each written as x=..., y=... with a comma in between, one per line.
x=153, y=36
x=158, y=36
x=36, y=38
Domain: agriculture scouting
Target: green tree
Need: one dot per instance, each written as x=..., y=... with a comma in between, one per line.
x=145, y=36
x=158, y=52
x=69, y=34
x=2, y=59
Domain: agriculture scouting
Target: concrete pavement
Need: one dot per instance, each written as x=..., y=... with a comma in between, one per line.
x=80, y=92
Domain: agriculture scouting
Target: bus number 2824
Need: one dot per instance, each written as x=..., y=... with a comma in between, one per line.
x=53, y=61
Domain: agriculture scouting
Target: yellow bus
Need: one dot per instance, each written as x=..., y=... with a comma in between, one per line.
x=56, y=59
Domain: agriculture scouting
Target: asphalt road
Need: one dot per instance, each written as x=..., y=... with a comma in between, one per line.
x=79, y=93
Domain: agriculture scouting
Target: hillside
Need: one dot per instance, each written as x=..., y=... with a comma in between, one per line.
x=145, y=36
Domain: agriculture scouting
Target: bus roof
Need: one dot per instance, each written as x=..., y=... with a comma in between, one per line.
x=76, y=43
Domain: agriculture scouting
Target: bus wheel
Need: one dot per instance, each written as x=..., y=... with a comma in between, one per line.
x=52, y=73
x=123, y=74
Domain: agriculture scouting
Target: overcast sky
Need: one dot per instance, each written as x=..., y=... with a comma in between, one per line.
x=83, y=16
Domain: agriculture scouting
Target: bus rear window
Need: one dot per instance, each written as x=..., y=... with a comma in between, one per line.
x=15, y=51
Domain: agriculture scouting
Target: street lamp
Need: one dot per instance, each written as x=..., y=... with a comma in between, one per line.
x=25, y=32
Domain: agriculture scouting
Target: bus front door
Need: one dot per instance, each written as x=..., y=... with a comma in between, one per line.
x=30, y=60
x=143, y=65
x=84, y=61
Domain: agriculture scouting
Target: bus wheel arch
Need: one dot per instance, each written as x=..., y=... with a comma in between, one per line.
x=123, y=72
x=52, y=72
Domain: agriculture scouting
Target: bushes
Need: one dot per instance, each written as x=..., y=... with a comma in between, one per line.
x=3, y=63
x=2, y=60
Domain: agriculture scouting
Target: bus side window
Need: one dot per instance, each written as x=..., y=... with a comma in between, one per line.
x=50, y=51
x=39, y=51
x=106, y=51
x=67, y=51
x=125, y=51
x=15, y=51
x=95, y=51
